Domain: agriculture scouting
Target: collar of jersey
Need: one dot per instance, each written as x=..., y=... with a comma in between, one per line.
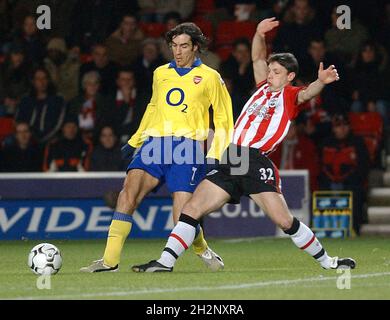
x=184, y=71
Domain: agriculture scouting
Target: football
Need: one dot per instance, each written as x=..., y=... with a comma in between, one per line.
x=45, y=259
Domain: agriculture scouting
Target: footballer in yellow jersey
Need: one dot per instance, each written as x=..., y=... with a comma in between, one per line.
x=169, y=138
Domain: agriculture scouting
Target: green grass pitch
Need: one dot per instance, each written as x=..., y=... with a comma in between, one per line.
x=262, y=268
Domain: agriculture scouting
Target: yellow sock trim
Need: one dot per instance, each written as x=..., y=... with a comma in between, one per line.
x=117, y=234
x=199, y=245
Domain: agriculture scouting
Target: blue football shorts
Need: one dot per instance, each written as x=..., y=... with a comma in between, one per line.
x=177, y=161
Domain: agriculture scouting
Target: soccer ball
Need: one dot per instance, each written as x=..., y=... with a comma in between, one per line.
x=45, y=259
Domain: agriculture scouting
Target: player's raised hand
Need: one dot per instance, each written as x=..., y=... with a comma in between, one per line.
x=328, y=75
x=266, y=25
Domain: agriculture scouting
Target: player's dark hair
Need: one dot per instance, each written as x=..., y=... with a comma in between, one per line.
x=191, y=29
x=286, y=60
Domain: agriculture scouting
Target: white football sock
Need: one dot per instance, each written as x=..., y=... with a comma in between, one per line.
x=181, y=238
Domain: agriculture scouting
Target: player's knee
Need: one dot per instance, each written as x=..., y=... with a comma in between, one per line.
x=192, y=210
x=285, y=223
x=127, y=202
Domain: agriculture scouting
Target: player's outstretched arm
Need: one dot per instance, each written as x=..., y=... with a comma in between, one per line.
x=325, y=77
x=259, y=48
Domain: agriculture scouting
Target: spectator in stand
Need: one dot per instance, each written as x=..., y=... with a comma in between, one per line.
x=107, y=155
x=14, y=73
x=238, y=68
x=124, y=45
x=63, y=67
x=384, y=29
x=155, y=10
x=345, y=43
x=297, y=152
x=314, y=120
x=367, y=79
x=106, y=69
x=70, y=152
x=344, y=165
x=171, y=20
x=146, y=63
x=333, y=96
x=300, y=25
x=246, y=10
x=90, y=106
x=4, y=20
x=23, y=155
x=91, y=22
x=8, y=106
x=31, y=40
x=42, y=109
x=127, y=106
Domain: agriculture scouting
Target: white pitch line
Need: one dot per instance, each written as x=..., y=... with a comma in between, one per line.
x=224, y=287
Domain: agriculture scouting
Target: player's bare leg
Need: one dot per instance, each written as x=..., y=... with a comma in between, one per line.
x=200, y=246
x=138, y=183
x=274, y=205
x=207, y=198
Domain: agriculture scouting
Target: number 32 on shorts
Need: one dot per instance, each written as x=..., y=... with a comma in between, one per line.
x=266, y=174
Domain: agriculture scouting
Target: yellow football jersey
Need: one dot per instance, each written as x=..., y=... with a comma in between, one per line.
x=179, y=107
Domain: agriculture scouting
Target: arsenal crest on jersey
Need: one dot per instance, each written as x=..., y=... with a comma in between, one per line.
x=197, y=79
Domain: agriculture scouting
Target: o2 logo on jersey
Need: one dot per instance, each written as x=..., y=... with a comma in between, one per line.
x=175, y=97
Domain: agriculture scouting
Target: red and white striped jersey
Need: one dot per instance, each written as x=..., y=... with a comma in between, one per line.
x=265, y=119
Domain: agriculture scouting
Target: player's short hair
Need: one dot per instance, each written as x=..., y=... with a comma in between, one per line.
x=191, y=29
x=286, y=60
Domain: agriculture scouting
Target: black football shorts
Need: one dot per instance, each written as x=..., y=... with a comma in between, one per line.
x=244, y=171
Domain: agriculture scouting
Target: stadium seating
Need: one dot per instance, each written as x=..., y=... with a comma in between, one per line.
x=206, y=27
x=224, y=52
x=6, y=127
x=203, y=7
x=152, y=30
x=85, y=58
x=368, y=125
x=228, y=31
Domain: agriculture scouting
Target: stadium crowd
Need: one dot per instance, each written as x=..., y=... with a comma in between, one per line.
x=70, y=96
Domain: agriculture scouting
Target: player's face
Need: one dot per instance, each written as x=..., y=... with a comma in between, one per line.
x=278, y=76
x=183, y=50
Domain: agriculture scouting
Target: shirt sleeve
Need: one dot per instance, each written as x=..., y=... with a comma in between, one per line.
x=138, y=137
x=222, y=116
x=290, y=97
